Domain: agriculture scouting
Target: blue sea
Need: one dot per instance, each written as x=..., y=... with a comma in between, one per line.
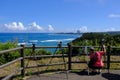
x=40, y=39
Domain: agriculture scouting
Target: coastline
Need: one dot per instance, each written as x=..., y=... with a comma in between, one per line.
x=42, y=39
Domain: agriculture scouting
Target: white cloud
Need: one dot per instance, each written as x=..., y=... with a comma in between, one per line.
x=114, y=16
x=82, y=29
x=19, y=27
x=112, y=29
x=34, y=27
x=50, y=28
x=15, y=26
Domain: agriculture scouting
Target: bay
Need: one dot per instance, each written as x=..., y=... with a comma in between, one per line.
x=40, y=39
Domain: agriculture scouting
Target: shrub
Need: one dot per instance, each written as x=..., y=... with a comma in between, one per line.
x=8, y=56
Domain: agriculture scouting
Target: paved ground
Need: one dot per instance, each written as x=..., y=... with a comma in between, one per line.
x=82, y=75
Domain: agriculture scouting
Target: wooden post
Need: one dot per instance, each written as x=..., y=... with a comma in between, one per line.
x=33, y=51
x=33, y=48
x=22, y=61
x=60, y=45
x=108, y=58
x=69, y=56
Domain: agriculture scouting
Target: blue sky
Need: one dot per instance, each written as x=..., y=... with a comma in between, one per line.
x=59, y=15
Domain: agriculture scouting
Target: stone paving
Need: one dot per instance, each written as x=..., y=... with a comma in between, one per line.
x=82, y=75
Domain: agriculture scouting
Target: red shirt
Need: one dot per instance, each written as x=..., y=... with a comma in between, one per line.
x=99, y=54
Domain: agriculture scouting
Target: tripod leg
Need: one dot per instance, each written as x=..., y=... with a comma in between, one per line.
x=64, y=64
x=86, y=52
x=27, y=63
x=34, y=57
x=52, y=58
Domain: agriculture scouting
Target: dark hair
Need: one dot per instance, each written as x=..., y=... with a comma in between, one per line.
x=92, y=48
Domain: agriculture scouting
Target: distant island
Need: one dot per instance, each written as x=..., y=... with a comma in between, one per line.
x=107, y=32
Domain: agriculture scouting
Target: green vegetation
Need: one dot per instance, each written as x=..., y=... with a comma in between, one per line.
x=8, y=56
x=94, y=39
x=4, y=58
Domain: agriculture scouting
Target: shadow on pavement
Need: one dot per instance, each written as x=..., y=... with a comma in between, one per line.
x=84, y=73
x=111, y=76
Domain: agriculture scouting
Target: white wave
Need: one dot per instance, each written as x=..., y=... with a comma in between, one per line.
x=54, y=40
x=58, y=40
x=22, y=43
x=35, y=41
x=69, y=39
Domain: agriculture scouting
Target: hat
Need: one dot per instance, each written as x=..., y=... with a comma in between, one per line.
x=92, y=48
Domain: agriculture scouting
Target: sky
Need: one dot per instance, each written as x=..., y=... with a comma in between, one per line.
x=59, y=15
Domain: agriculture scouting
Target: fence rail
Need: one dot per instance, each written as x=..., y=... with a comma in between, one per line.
x=10, y=50
x=69, y=56
x=11, y=62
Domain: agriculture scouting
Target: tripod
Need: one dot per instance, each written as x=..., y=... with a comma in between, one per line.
x=64, y=62
x=86, y=52
x=59, y=46
x=33, y=56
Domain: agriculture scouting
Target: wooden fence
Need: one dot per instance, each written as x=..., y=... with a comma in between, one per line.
x=69, y=56
x=22, y=69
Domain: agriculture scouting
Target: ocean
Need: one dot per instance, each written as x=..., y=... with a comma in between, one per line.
x=40, y=39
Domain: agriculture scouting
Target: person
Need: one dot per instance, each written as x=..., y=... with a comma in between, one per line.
x=96, y=64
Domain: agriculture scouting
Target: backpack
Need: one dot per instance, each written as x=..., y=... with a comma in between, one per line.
x=94, y=59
